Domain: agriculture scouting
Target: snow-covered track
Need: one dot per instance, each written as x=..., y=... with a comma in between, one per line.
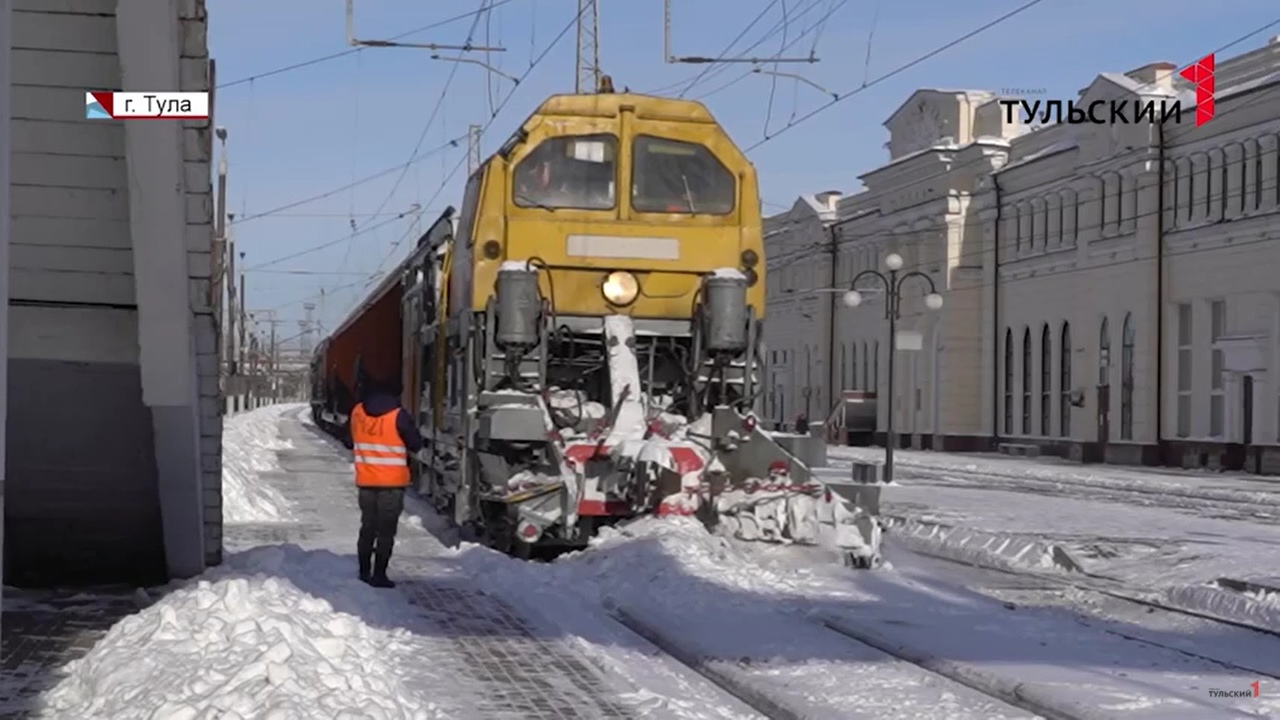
x=1011, y=692
x=1083, y=583
x=750, y=680
x=1251, y=505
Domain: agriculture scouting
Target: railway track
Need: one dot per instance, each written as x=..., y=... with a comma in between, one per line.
x=1252, y=505
x=1248, y=640
x=740, y=679
x=1082, y=581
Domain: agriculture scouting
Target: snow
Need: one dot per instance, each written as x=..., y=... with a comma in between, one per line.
x=249, y=444
x=245, y=641
x=1163, y=534
x=515, y=266
x=752, y=614
x=282, y=631
x=624, y=376
x=728, y=274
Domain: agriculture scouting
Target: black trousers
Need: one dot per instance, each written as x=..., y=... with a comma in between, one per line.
x=380, y=510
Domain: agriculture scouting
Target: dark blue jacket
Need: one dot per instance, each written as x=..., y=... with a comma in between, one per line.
x=377, y=404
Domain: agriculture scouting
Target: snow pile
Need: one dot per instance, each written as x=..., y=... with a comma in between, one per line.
x=249, y=444
x=245, y=641
x=1008, y=552
x=1251, y=608
x=649, y=558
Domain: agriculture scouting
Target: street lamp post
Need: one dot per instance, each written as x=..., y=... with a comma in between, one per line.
x=892, y=299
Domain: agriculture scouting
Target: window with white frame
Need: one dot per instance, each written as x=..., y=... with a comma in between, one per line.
x=853, y=365
x=1217, y=394
x=1184, y=370
x=1064, y=382
x=1046, y=380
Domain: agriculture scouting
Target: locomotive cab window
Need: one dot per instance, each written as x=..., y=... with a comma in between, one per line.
x=671, y=176
x=576, y=172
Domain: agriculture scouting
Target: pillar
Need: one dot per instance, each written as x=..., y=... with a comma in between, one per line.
x=5, y=42
x=149, y=51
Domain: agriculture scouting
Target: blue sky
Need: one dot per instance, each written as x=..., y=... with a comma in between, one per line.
x=305, y=132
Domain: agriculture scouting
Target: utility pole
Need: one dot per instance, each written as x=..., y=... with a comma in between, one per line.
x=243, y=316
x=588, y=79
x=230, y=275
x=473, y=149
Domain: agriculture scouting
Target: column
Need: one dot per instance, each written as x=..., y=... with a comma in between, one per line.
x=5, y=42
x=149, y=51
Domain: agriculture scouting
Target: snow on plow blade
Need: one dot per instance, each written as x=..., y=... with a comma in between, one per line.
x=766, y=493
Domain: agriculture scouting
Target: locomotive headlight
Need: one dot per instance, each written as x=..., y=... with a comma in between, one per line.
x=620, y=288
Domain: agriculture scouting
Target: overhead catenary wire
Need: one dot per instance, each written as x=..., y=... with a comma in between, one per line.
x=729, y=47
x=354, y=51
x=493, y=117
x=1259, y=95
x=715, y=69
x=279, y=210
x=901, y=69
x=485, y=6
x=792, y=43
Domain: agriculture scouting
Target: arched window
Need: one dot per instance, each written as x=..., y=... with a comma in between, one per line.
x=853, y=365
x=1046, y=379
x=1064, y=382
x=1104, y=355
x=875, y=369
x=1008, y=381
x=866, y=368
x=1026, y=381
x=1126, y=378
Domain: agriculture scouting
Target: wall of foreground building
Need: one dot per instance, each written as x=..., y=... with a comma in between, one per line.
x=1110, y=290
x=112, y=413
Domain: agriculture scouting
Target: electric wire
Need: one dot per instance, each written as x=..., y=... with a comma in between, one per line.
x=729, y=47
x=901, y=69
x=1258, y=95
x=277, y=211
x=356, y=50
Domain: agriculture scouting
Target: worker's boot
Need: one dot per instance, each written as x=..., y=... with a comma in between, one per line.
x=380, y=562
x=366, y=567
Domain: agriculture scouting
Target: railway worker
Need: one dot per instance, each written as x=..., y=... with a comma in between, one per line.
x=382, y=435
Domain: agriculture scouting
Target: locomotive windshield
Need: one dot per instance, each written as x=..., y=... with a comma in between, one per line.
x=671, y=176
x=568, y=172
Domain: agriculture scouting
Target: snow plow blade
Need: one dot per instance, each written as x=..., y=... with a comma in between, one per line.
x=760, y=491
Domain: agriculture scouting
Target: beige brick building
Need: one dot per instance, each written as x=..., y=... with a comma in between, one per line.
x=1111, y=290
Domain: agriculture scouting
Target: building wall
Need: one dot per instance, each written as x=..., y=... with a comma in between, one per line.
x=1066, y=250
x=81, y=457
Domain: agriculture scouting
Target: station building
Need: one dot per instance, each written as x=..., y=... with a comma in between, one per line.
x=1111, y=292
x=112, y=432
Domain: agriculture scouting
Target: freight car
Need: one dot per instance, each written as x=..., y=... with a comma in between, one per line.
x=582, y=342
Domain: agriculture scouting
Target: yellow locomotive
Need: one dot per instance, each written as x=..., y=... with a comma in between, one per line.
x=581, y=343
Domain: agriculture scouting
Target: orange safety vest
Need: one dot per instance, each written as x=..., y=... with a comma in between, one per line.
x=381, y=458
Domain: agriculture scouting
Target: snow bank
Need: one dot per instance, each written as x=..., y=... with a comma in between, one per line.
x=979, y=548
x=1249, y=608
x=249, y=442
x=245, y=641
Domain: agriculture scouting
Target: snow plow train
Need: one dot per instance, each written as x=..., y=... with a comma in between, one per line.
x=581, y=342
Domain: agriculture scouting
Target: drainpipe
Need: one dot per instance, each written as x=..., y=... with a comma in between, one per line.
x=1160, y=384
x=996, y=335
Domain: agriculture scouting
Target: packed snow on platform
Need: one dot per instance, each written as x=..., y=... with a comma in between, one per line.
x=246, y=641
x=249, y=444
